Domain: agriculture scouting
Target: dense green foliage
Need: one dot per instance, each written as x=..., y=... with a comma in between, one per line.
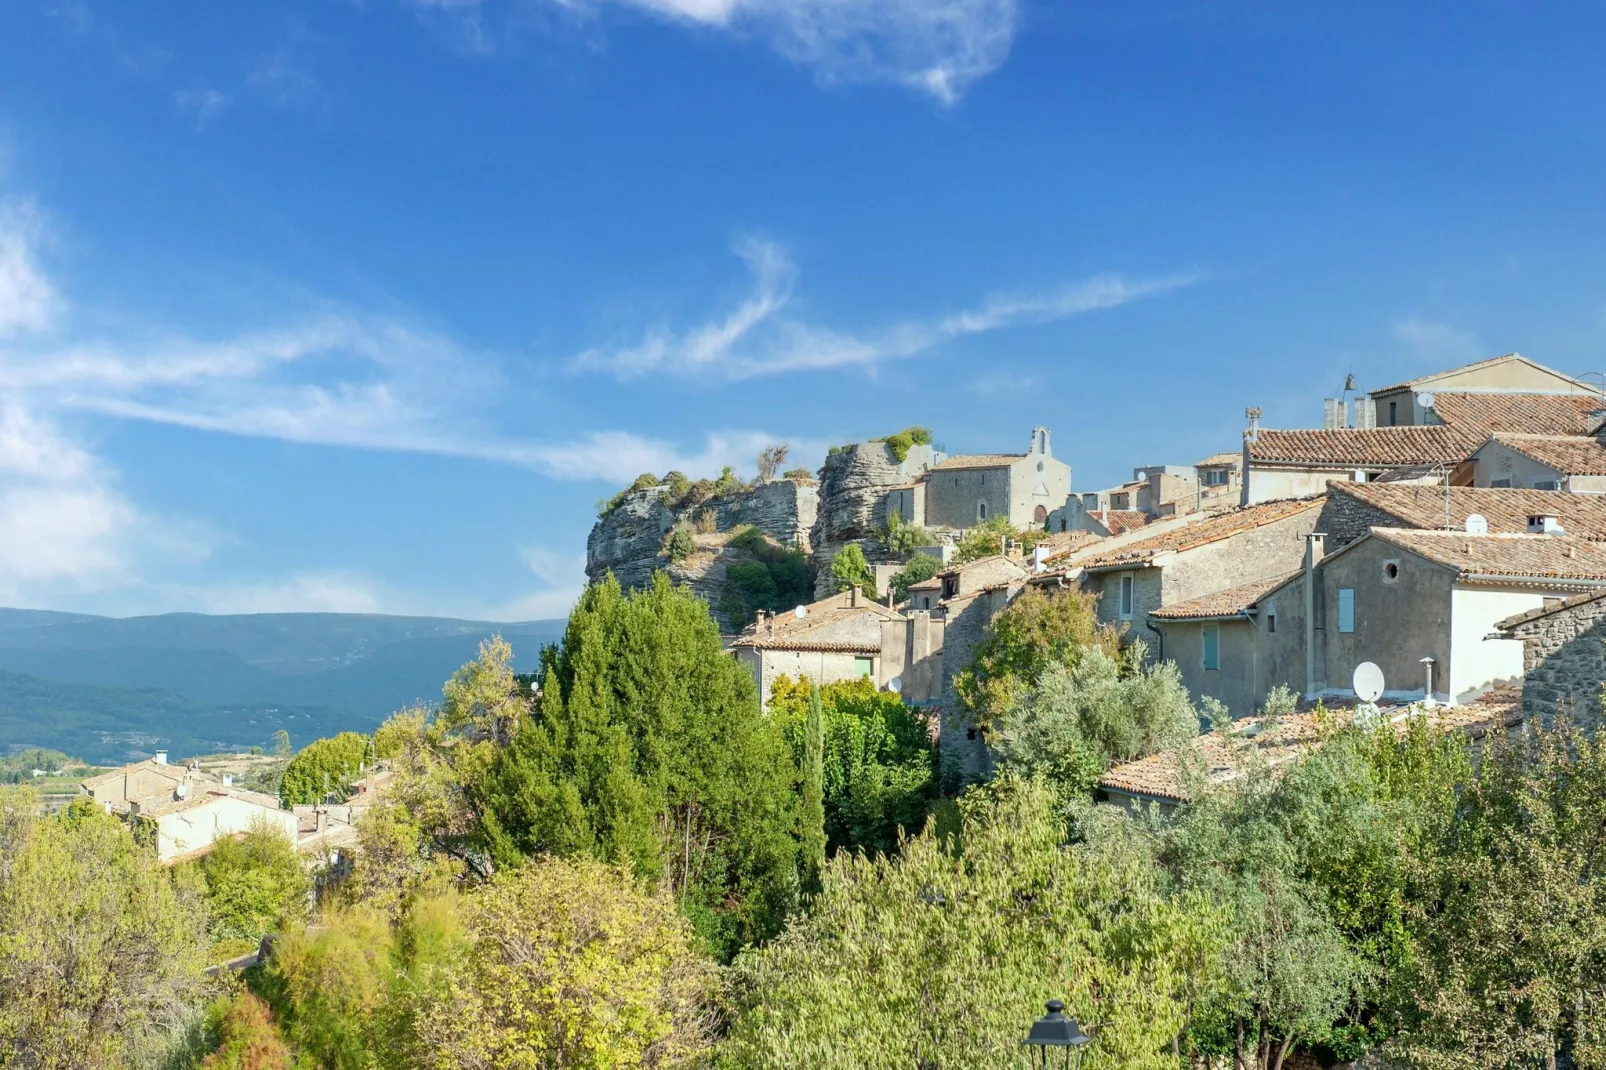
x=99, y=953
x=898, y=444
x=989, y=537
x=850, y=569
x=1079, y=719
x=253, y=884
x=941, y=955
x=775, y=580
x=1037, y=630
x=920, y=567
x=246, y=1037
x=878, y=763
x=904, y=539
x=679, y=545
x=324, y=766
x=18, y=767
x=648, y=750
x=800, y=475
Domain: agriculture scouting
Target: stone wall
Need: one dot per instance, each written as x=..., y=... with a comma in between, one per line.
x=1564, y=662
x=1346, y=518
x=965, y=626
x=854, y=484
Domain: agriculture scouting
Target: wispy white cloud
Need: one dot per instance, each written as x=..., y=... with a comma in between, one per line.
x=202, y=106
x=1440, y=341
x=759, y=338
x=936, y=47
x=307, y=592
x=28, y=300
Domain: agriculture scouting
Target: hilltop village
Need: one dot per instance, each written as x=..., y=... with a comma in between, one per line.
x=1447, y=529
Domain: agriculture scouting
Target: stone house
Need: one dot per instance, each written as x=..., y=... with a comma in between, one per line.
x=967, y=616
x=1572, y=463
x=188, y=810
x=963, y=491
x=841, y=637
x=1353, y=509
x=1563, y=657
x=1397, y=596
x=1420, y=429
x=1423, y=400
x=1215, y=642
x=1219, y=479
x=1188, y=560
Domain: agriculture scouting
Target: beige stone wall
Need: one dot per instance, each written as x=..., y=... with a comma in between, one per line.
x=1496, y=461
x=1236, y=683
x=820, y=666
x=1261, y=553
x=1147, y=596
x=1564, y=661
x=1269, y=484
x=1396, y=623
x=967, y=623
x=1280, y=656
x=954, y=497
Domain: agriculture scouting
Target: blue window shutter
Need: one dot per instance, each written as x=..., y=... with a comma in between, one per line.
x=1346, y=609
x=1212, y=647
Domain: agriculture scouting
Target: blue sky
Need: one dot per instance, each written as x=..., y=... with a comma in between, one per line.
x=362, y=305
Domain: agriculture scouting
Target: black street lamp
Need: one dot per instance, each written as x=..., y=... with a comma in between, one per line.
x=1054, y=1030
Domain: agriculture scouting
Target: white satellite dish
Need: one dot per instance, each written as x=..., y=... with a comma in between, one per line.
x=800, y=612
x=1477, y=524
x=181, y=791
x=895, y=685
x=1425, y=399
x=1368, y=682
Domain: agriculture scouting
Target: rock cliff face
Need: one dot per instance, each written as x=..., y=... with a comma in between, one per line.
x=629, y=540
x=853, y=501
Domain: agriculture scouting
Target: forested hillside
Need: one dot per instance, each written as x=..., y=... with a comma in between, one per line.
x=108, y=688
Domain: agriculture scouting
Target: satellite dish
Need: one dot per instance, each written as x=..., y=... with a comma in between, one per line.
x=1425, y=399
x=181, y=791
x=895, y=685
x=800, y=612
x=1477, y=524
x=1368, y=682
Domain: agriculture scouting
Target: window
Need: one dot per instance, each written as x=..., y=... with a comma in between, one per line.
x=1211, y=634
x=1506, y=482
x=1119, y=501
x=1215, y=477
x=1546, y=484
x=1346, y=609
x=1391, y=570
x=1040, y=514
x=1393, y=413
x=1271, y=621
x=1126, y=597
x=864, y=666
x=981, y=510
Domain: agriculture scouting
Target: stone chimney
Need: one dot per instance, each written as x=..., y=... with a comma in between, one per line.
x=161, y=757
x=853, y=596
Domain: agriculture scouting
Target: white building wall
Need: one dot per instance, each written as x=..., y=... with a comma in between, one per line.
x=1496, y=462
x=198, y=827
x=1477, y=662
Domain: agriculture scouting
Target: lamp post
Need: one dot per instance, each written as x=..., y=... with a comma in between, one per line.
x=1054, y=1030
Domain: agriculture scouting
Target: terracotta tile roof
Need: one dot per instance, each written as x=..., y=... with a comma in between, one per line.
x=1221, y=761
x=1061, y=543
x=1505, y=509
x=1228, y=603
x=1201, y=532
x=1572, y=455
x=1216, y=459
x=932, y=584
x=786, y=631
x=1120, y=521
x=1511, y=624
x=1530, y=414
x=1360, y=447
x=978, y=460
x=1531, y=557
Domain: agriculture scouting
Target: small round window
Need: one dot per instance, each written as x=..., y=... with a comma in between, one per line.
x=1391, y=571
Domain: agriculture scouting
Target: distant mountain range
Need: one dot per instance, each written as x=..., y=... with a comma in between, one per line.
x=106, y=689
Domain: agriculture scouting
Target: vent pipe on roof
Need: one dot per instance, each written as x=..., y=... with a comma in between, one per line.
x=1544, y=524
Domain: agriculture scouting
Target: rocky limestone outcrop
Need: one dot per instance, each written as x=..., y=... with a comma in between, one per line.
x=853, y=501
x=628, y=541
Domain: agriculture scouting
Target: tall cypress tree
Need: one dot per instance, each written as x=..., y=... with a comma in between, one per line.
x=812, y=813
x=648, y=750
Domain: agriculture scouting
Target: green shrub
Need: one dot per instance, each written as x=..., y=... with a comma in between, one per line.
x=777, y=579
x=679, y=545
x=852, y=570
x=324, y=764
x=900, y=443
x=919, y=567
x=801, y=475
x=643, y=481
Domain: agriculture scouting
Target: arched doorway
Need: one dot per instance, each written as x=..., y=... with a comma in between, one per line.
x=1040, y=514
